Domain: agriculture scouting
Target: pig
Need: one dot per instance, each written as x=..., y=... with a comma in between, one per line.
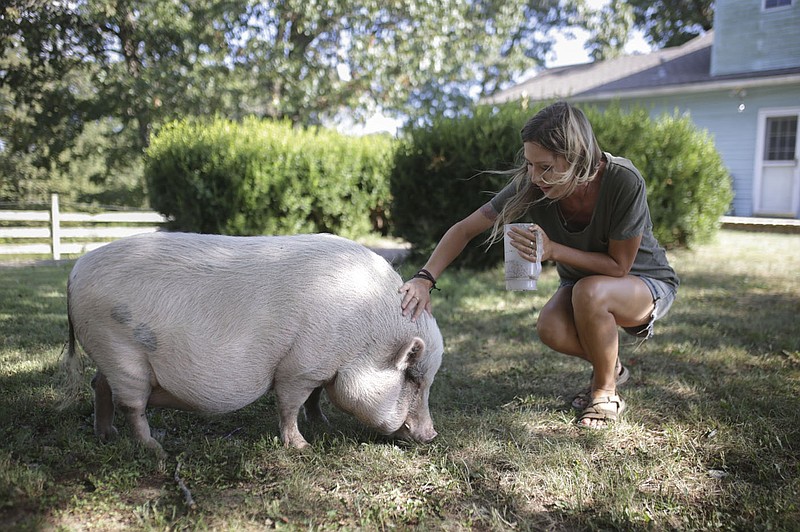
x=210, y=323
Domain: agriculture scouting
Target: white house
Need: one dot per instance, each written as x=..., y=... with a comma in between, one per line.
x=741, y=82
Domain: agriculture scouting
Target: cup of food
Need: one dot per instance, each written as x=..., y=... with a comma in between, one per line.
x=521, y=273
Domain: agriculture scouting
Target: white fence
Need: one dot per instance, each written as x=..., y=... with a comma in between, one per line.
x=71, y=239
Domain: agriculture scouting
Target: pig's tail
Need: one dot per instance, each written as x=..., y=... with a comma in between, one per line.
x=425, y=274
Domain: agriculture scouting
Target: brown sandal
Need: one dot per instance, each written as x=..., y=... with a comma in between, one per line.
x=608, y=409
x=583, y=397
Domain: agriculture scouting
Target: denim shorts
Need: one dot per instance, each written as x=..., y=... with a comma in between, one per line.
x=663, y=298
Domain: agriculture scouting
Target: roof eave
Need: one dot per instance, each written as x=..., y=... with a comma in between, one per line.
x=710, y=86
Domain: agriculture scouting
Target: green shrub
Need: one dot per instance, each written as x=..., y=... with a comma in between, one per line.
x=688, y=186
x=437, y=178
x=259, y=177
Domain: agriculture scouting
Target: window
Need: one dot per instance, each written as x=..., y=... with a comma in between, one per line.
x=769, y=4
x=781, y=138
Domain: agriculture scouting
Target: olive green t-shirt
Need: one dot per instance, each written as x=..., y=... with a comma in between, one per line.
x=621, y=213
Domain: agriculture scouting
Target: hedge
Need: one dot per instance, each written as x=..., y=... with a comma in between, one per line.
x=439, y=177
x=440, y=173
x=260, y=177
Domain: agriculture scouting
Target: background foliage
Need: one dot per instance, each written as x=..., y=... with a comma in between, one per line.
x=667, y=23
x=443, y=172
x=663, y=23
x=439, y=176
x=688, y=186
x=120, y=68
x=64, y=65
x=262, y=177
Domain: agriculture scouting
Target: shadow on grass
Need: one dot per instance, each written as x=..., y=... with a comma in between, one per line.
x=732, y=315
x=718, y=361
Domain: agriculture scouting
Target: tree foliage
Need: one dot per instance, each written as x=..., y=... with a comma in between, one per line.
x=64, y=65
x=610, y=29
x=667, y=23
x=144, y=62
x=664, y=23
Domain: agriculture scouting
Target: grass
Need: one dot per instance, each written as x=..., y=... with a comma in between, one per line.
x=711, y=438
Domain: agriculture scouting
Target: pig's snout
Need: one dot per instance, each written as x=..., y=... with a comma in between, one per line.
x=421, y=434
x=426, y=436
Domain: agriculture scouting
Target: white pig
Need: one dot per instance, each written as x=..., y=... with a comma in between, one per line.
x=211, y=323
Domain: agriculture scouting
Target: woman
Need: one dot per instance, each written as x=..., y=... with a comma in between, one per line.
x=590, y=211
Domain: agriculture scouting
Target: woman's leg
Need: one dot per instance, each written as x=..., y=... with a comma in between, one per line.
x=582, y=321
x=556, y=325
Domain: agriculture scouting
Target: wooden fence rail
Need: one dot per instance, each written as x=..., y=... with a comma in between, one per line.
x=71, y=239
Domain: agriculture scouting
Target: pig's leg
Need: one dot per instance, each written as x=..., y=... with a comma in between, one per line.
x=132, y=400
x=290, y=398
x=311, y=409
x=141, y=428
x=103, y=408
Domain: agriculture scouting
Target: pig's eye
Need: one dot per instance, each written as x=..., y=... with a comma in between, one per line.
x=414, y=374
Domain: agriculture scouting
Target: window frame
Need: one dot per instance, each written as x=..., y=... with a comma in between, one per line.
x=787, y=5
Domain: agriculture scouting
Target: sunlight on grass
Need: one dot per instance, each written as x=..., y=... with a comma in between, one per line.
x=711, y=438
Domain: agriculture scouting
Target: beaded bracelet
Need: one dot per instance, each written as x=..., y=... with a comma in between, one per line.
x=425, y=274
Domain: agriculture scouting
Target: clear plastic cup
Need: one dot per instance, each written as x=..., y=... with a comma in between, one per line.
x=521, y=274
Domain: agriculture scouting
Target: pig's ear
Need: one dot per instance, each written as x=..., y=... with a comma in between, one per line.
x=409, y=354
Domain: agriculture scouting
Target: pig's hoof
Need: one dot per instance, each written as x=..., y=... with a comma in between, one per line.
x=301, y=446
x=162, y=456
x=305, y=449
x=297, y=443
x=106, y=434
x=156, y=448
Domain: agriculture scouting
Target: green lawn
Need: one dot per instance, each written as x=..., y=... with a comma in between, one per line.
x=711, y=438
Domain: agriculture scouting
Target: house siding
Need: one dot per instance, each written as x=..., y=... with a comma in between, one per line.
x=747, y=43
x=734, y=133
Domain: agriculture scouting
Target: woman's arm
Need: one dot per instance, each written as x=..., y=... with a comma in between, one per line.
x=417, y=291
x=617, y=262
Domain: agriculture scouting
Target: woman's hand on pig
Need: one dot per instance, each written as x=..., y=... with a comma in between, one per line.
x=416, y=297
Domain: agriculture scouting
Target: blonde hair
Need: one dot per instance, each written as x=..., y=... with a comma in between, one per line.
x=563, y=130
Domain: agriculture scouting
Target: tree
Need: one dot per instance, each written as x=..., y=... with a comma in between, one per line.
x=414, y=58
x=38, y=111
x=67, y=63
x=610, y=29
x=668, y=23
x=664, y=23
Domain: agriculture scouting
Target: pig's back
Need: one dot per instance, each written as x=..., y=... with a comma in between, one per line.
x=218, y=268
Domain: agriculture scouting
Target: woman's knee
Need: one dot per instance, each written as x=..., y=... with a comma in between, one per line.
x=551, y=328
x=588, y=293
